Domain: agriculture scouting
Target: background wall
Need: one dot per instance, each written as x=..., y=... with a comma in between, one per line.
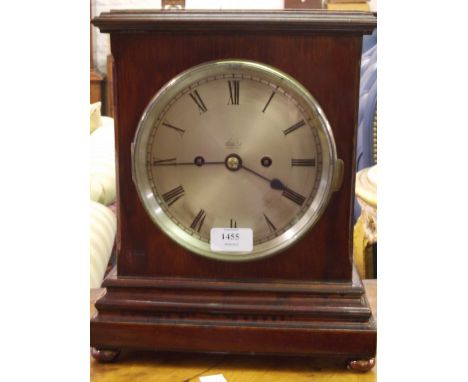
x=101, y=45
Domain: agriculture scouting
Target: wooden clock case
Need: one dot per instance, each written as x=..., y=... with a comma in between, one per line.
x=305, y=301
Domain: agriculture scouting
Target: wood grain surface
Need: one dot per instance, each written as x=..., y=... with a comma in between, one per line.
x=320, y=49
x=331, y=75
x=235, y=21
x=184, y=367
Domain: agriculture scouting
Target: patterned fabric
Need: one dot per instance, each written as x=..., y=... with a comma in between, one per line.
x=102, y=191
x=103, y=224
x=367, y=108
x=102, y=162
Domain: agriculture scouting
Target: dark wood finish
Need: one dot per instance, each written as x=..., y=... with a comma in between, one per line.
x=312, y=319
x=304, y=301
x=338, y=300
x=170, y=366
x=334, y=81
x=235, y=21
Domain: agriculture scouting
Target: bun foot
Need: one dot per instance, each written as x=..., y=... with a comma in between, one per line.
x=104, y=356
x=361, y=365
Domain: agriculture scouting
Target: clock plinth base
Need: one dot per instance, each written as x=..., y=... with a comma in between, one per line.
x=316, y=319
x=104, y=356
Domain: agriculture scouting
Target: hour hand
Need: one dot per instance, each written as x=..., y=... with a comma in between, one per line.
x=277, y=184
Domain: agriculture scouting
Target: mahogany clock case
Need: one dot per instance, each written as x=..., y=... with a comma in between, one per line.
x=149, y=49
x=306, y=300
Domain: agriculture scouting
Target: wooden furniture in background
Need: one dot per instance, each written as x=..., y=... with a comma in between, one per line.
x=345, y=1
x=96, y=82
x=170, y=367
x=110, y=87
x=96, y=79
x=333, y=5
x=307, y=300
x=304, y=4
x=173, y=4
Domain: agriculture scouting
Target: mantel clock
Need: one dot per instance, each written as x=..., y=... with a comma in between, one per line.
x=235, y=149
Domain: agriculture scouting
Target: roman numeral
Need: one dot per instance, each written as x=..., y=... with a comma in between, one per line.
x=233, y=224
x=168, y=125
x=233, y=92
x=294, y=196
x=198, y=101
x=294, y=127
x=271, y=226
x=198, y=221
x=172, y=196
x=302, y=162
x=268, y=102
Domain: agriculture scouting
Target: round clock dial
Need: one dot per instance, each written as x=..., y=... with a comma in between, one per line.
x=234, y=144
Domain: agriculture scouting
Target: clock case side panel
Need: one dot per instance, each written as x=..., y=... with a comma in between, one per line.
x=326, y=64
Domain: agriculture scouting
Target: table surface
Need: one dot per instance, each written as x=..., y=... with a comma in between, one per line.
x=184, y=367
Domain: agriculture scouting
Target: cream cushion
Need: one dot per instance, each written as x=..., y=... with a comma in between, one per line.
x=102, y=163
x=102, y=234
x=94, y=116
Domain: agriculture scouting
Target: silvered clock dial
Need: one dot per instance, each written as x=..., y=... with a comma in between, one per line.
x=234, y=144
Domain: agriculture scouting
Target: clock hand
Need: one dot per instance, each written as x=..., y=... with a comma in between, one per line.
x=198, y=161
x=275, y=183
x=185, y=163
x=255, y=173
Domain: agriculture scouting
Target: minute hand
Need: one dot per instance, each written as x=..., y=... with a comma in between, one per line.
x=277, y=184
x=263, y=177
